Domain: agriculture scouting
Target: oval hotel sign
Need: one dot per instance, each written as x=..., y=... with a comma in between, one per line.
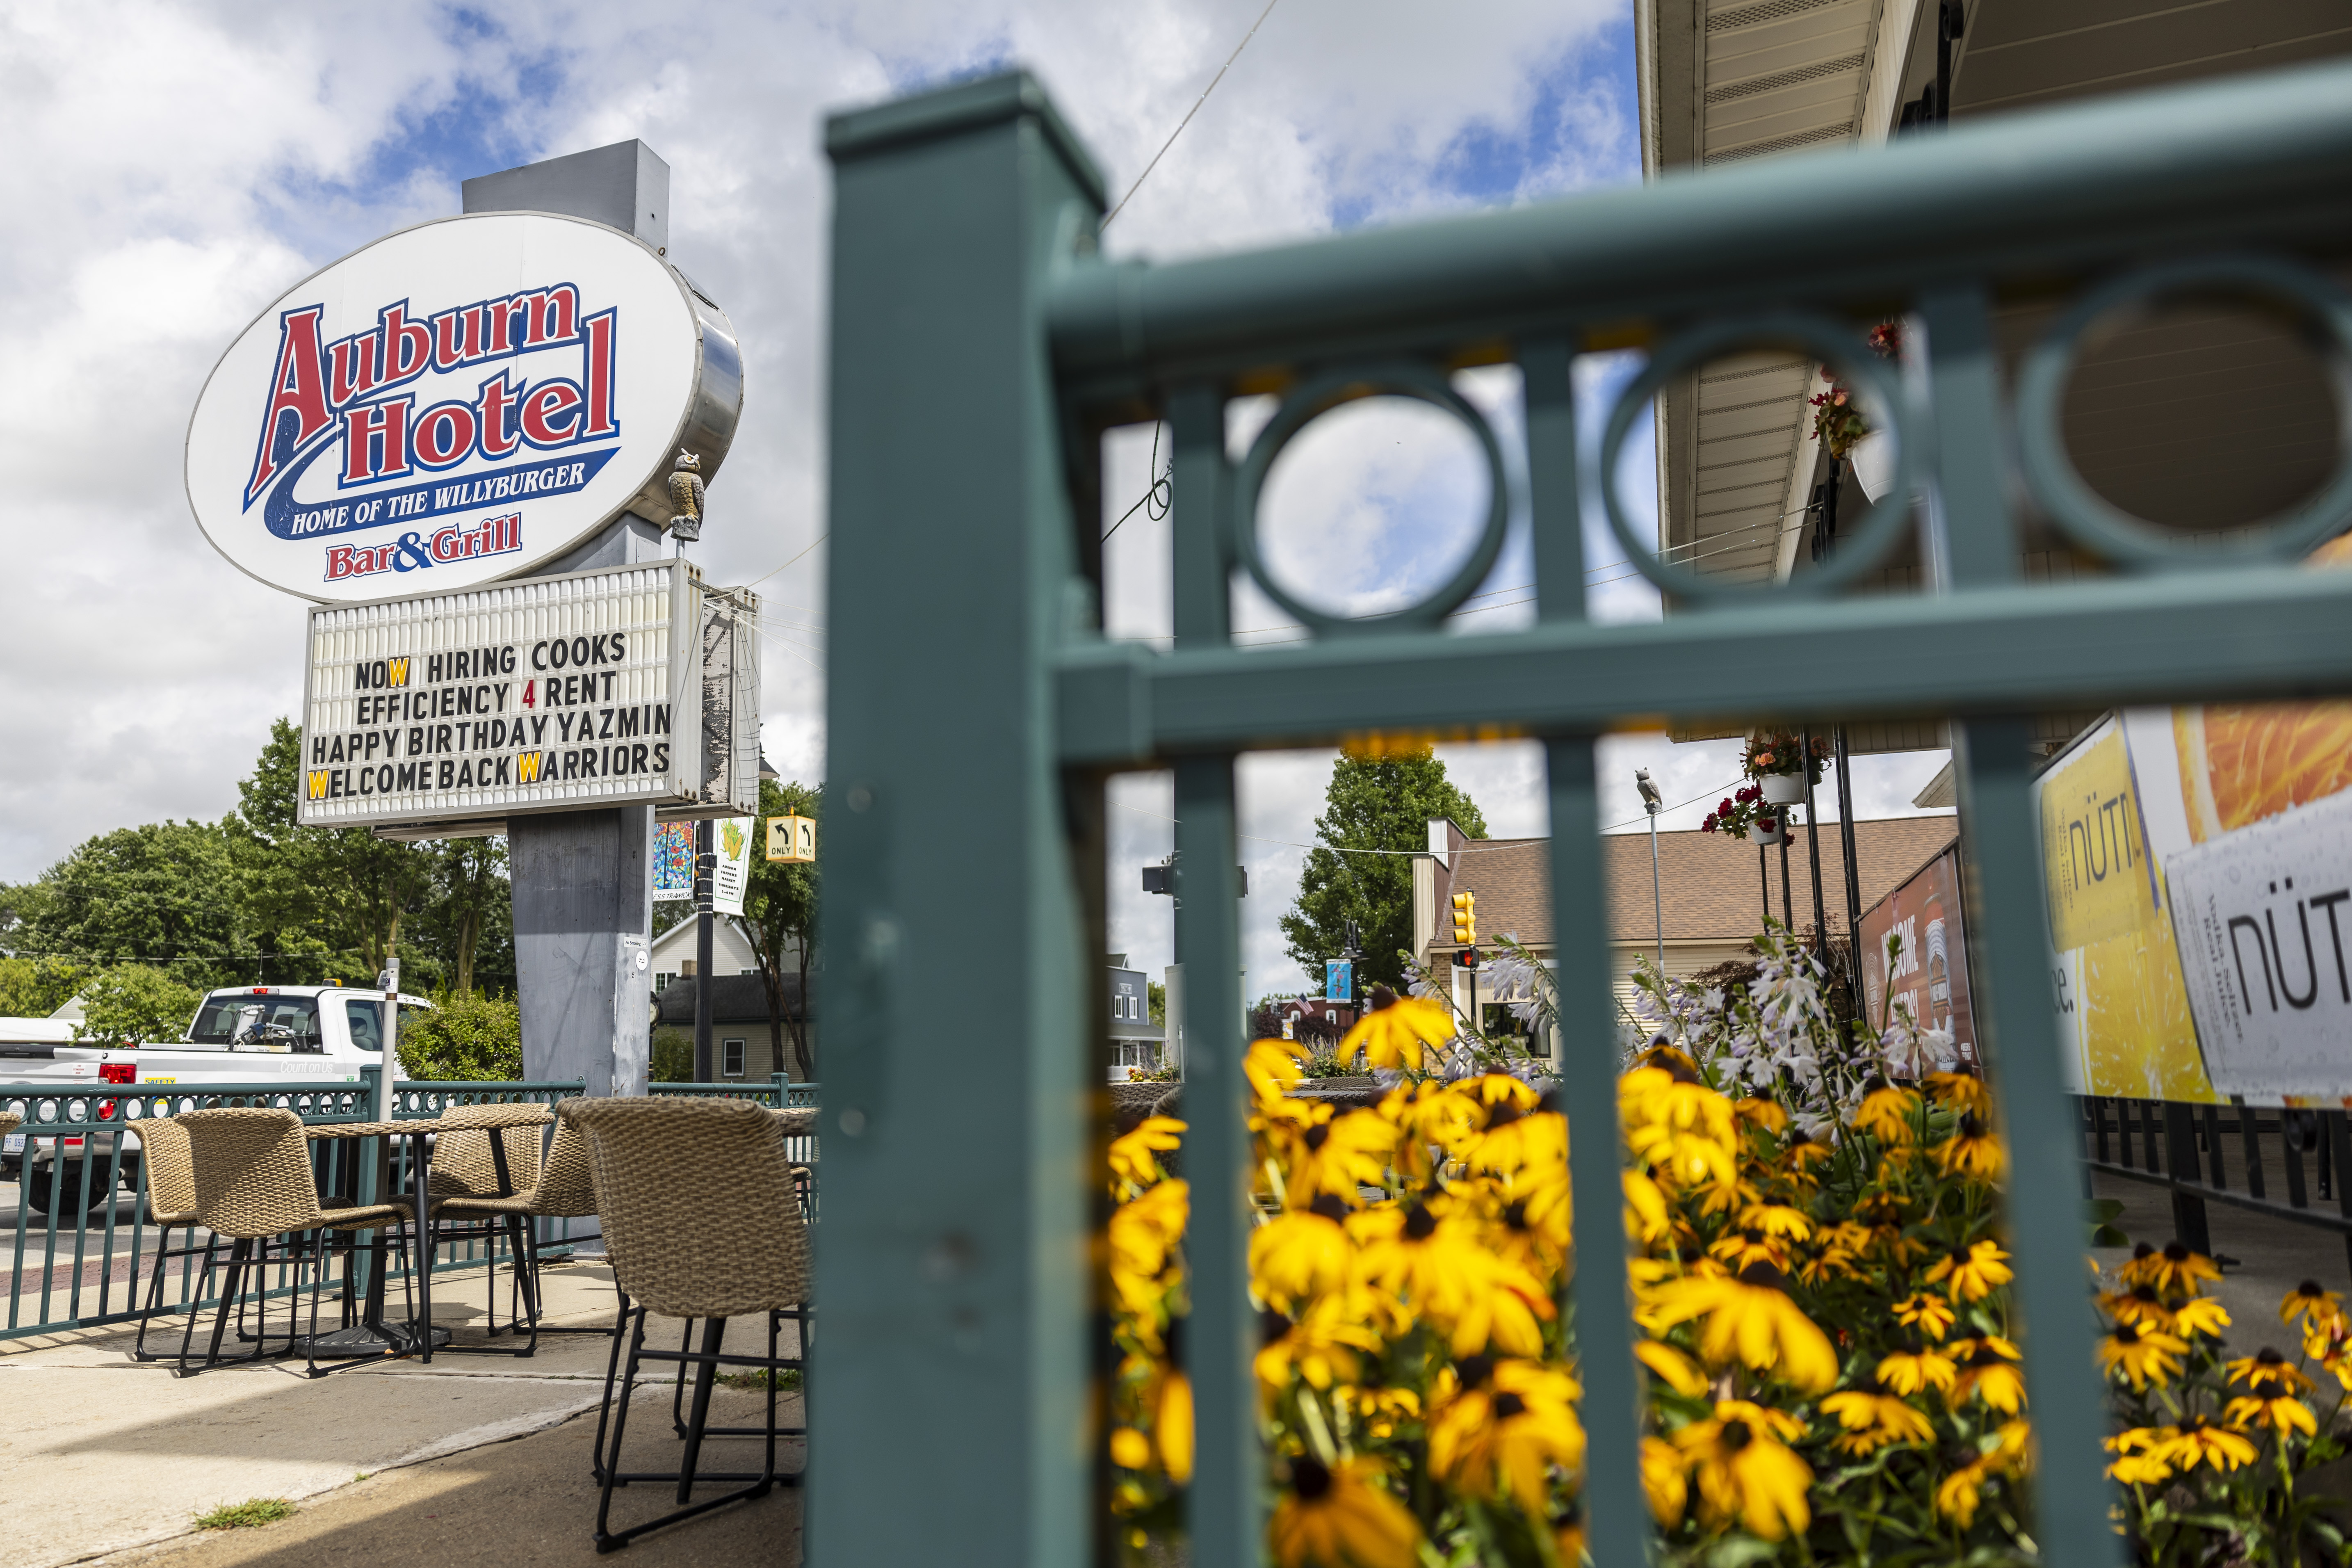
x=458, y=402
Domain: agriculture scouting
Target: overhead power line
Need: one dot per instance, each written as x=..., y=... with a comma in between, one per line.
x=1205, y=92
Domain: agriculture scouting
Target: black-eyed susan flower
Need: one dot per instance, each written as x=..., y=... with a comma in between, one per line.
x=1763, y=1115
x=1298, y=1256
x=2271, y=1386
x=2143, y=1355
x=1507, y=1432
x=2138, y=1462
x=1776, y=1220
x=1171, y=1418
x=1962, y=1491
x=1130, y=1449
x=1320, y=1347
x=1987, y=1370
x=1931, y=1315
x=2200, y=1315
x=1972, y=1152
x=1888, y=1113
x=1339, y=1156
x=1341, y=1516
x=1805, y=1152
x=2199, y=1441
x=2308, y=1304
x=1909, y=1369
x=1738, y=1248
x=1439, y=1266
x=1749, y=1315
x=1671, y=1367
x=2174, y=1271
x=1665, y=1481
x=1381, y=1411
x=1745, y=1470
x=1135, y=1156
x=1874, y=1420
x=1961, y=1092
x=1971, y=1273
x=1398, y=1031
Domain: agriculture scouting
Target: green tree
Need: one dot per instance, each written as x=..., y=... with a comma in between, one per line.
x=673, y=1057
x=129, y=1003
x=37, y=988
x=164, y=893
x=471, y=1038
x=1372, y=804
x=780, y=920
x=316, y=892
x=465, y=922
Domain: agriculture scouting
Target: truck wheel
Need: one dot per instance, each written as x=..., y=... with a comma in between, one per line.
x=35, y=1189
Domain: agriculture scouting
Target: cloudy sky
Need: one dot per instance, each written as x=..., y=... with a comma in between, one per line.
x=174, y=167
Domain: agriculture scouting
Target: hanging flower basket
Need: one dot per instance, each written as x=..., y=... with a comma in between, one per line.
x=1783, y=789
x=1767, y=830
x=1743, y=816
x=1782, y=764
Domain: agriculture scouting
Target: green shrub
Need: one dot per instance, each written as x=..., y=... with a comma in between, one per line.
x=474, y=1038
x=673, y=1057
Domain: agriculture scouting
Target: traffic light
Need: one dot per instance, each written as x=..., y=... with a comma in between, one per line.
x=1465, y=919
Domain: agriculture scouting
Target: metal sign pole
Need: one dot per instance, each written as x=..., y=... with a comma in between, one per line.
x=390, y=981
x=706, y=871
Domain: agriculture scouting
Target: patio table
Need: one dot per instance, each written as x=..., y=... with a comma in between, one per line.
x=371, y=1334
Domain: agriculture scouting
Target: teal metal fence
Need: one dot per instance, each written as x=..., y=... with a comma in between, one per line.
x=80, y=1247
x=978, y=347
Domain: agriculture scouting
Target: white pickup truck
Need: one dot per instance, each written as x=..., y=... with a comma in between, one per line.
x=297, y=1035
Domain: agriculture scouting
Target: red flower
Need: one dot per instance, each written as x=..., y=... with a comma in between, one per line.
x=1706, y=825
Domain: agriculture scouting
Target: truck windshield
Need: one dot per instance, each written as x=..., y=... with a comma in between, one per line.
x=222, y=1019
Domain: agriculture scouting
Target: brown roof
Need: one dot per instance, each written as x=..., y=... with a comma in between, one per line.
x=1708, y=884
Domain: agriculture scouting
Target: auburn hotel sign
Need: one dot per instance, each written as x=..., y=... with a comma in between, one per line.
x=456, y=402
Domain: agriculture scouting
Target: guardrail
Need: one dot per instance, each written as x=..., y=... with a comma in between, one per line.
x=2185, y=1149
x=778, y=1093
x=90, y=1256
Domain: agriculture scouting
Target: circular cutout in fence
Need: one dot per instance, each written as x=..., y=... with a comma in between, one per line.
x=1374, y=499
x=2190, y=322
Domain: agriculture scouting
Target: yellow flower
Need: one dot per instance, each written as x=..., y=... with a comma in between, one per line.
x=1931, y=1315
x=1987, y=1372
x=2173, y=1272
x=2144, y=1356
x=1319, y=1347
x=1739, y=1248
x=1381, y=1410
x=1972, y=1151
x=1397, y=1032
x=1874, y=1420
x=1751, y=1316
x=2197, y=1441
x=1959, y=1493
x=1504, y=1425
x=1678, y=1127
x=1962, y=1091
x=1130, y=1449
x=1906, y=1372
x=1521, y=1132
x=1767, y=1115
x=2201, y=1315
x=1142, y=1235
x=1426, y=1115
x=1803, y=1155
x=1300, y=1255
x=2308, y=1302
x=1665, y=1481
x=1975, y=1270
x=1776, y=1220
x=1671, y=1367
x=2269, y=1398
x=1272, y=1065
x=1646, y=1214
x=1341, y=1155
x=1886, y=1113
x=1747, y=1471
x=2138, y=1463
x=2266, y=1365
x=1440, y=1267
x=1173, y=1423
x=1340, y=1517
x=1134, y=1157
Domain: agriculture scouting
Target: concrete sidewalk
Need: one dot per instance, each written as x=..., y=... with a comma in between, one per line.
x=473, y=1455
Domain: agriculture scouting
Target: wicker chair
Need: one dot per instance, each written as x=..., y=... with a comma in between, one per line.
x=713, y=1236
x=253, y=1181
x=488, y=1174
x=170, y=1206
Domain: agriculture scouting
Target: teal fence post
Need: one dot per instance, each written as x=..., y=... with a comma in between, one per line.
x=950, y=1384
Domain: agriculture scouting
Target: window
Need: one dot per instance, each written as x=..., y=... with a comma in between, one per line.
x=279, y=1022
x=366, y=1025
x=731, y=1058
x=661, y=977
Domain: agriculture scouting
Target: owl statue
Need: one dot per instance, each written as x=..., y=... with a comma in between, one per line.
x=686, y=497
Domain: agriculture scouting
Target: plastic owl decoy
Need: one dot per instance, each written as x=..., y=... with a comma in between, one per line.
x=685, y=497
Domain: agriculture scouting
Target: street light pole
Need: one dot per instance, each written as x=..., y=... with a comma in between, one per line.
x=706, y=870
x=1651, y=801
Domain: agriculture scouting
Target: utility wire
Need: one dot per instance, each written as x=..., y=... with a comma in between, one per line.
x=812, y=543
x=1205, y=92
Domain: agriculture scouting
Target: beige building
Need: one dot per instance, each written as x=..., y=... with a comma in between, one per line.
x=1713, y=891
